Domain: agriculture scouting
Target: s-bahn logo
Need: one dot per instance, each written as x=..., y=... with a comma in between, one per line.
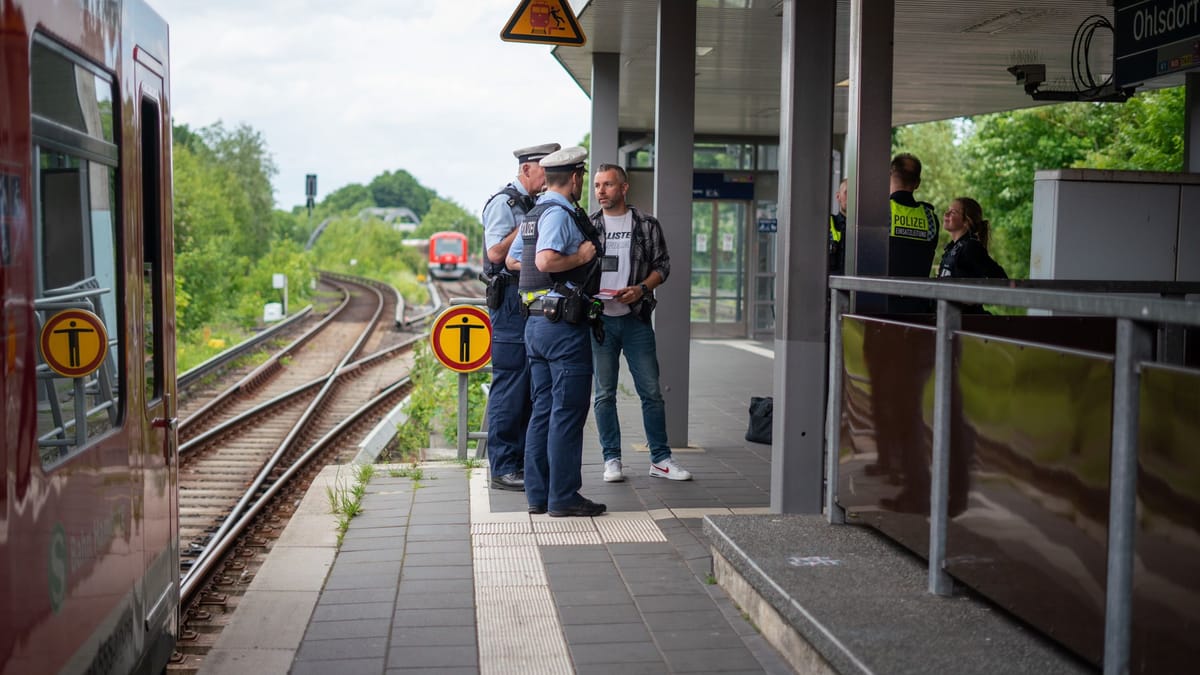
x=74, y=343
x=462, y=338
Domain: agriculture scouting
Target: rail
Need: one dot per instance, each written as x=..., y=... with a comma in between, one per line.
x=1134, y=345
x=187, y=378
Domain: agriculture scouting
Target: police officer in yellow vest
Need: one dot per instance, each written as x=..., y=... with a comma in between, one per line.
x=914, y=230
x=837, y=231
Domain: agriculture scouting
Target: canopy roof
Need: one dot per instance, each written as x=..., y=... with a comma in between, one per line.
x=951, y=58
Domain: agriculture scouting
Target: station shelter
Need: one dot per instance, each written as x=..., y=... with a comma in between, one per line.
x=737, y=118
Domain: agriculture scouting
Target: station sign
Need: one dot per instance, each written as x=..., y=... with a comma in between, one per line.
x=728, y=185
x=74, y=343
x=462, y=338
x=1152, y=38
x=546, y=22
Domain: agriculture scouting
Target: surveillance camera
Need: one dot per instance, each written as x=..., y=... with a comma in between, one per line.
x=1029, y=74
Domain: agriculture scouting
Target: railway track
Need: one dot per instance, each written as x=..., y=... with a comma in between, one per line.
x=250, y=453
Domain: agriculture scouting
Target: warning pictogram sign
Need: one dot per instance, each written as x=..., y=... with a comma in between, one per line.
x=544, y=21
x=462, y=338
x=74, y=343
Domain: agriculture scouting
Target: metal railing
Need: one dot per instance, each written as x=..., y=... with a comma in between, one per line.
x=1135, y=338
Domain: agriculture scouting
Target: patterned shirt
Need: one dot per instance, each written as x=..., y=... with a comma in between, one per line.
x=647, y=254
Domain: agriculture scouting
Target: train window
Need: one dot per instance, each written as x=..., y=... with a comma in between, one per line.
x=77, y=263
x=447, y=246
x=152, y=301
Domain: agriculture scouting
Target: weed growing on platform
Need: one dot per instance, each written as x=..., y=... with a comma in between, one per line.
x=470, y=462
x=414, y=472
x=346, y=502
x=710, y=580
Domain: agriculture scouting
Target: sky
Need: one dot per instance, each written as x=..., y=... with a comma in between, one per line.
x=350, y=89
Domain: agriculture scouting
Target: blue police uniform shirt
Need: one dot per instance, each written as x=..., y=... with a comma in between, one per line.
x=556, y=229
x=498, y=218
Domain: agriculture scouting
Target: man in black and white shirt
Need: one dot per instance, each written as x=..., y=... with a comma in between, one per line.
x=635, y=263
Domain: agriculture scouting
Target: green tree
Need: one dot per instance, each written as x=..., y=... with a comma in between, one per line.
x=1005, y=151
x=1148, y=134
x=350, y=198
x=399, y=188
x=943, y=166
x=448, y=215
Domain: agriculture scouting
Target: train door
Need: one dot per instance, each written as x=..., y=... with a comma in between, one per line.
x=160, y=587
x=718, y=302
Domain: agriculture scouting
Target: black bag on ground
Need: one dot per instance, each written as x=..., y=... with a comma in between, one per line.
x=761, y=413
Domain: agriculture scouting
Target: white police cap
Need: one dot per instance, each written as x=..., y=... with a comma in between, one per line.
x=567, y=159
x=535, y=152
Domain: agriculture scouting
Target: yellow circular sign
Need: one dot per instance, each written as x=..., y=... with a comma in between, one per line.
x=74, y=343
x=462, y=338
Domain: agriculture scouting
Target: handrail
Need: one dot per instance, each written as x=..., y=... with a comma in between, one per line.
x=1013, y=294
x=1133, y=347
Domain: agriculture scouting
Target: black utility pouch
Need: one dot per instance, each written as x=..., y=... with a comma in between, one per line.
x=495, y=291
x=552, y=309
x=575, y=308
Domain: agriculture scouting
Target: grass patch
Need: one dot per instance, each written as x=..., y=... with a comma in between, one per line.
x=345, y=500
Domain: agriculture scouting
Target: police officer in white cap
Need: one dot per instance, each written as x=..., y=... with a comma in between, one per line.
x=508, y=401
x=557, y=250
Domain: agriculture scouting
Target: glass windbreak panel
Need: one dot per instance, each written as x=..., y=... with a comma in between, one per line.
x=79, y=374
x=643, y=158
x=702, y=260
x=730, y=274
x=68, y=93
x=152, y=283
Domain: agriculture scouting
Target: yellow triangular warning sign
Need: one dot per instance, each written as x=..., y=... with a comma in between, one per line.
x=544, y=21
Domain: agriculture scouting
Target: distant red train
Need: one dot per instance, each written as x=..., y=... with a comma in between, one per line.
x=89, y=557
x=448, y=255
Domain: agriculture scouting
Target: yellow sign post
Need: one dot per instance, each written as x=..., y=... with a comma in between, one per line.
x=544, y=21
x=462, y=338
x=74, y=343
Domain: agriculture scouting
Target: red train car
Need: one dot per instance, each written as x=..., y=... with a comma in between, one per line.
x=448, y=255
x=89, y=560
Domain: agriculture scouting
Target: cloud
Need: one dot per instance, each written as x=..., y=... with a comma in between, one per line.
x=348, y=90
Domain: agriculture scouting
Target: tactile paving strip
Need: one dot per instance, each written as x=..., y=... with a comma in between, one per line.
x=500, y=528
x=519, y=632
x=493, y=540
x=629, y=531
x=564, y=525
x=568, y=538
x=518, y=569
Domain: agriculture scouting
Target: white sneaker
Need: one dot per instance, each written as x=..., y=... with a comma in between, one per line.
x=669, y=469
x=612, y=471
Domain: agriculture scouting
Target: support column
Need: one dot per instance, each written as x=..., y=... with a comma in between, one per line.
x=869, y=143
x=1191, y=123
x=674, y=134
x=606, y=104
x=805, y=144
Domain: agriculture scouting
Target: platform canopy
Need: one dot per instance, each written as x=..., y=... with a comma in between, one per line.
x=951, y=58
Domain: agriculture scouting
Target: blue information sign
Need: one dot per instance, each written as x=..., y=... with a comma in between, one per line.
x=768, y=224
x=739, y=186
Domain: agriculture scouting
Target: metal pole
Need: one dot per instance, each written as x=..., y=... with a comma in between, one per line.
x=839, y=301
x=462, y=415
x=949, y=320
x=1133, y=346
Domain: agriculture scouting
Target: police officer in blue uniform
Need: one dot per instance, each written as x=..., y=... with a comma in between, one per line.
x=558, y=258
x=509, y=404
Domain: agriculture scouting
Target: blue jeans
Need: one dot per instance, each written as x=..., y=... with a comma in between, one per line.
x=560, y=376
x=636, y=338
x=509, y=405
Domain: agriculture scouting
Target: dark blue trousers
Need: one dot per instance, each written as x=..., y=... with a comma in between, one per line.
x=509, y=403
x=560, y=375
